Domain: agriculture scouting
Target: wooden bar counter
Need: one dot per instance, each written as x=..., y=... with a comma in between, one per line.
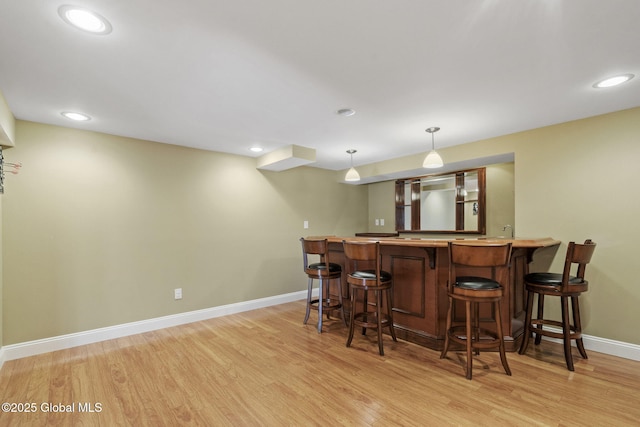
x=420, y=271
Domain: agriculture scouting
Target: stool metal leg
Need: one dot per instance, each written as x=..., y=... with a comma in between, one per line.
x=320, y=304
x=309, y=293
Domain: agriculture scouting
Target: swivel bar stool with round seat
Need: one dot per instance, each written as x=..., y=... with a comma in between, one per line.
x=365, y=275
x=324, y=271
x=474, y=288
x=565, y=286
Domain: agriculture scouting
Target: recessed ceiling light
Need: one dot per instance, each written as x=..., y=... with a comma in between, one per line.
x=613, y=81
x=84, y=19
x=256, y=149
x=346, y=112
x=78, y=117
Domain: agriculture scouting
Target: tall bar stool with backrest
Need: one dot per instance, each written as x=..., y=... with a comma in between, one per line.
x=565, y=286
x=365, y=275
x=324, y=271
x=474, y=290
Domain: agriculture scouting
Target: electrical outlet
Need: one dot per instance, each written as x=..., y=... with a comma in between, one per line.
x=381, y=221
x=377, y=221
x=177, y=293
x=305, y=224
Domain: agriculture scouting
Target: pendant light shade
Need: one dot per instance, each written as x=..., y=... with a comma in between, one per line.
x=433, y=159
x=352, y=174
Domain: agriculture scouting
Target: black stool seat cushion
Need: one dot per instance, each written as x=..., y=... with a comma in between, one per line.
x=549, y=279
x=321, y=266
x=371, y=275
x=479, y=283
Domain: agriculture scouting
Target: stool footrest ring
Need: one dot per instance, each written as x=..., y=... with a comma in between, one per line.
x=369, y=319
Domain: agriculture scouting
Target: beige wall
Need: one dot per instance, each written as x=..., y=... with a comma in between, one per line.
x=500, y=199
x=99, y=230
x=382, y=205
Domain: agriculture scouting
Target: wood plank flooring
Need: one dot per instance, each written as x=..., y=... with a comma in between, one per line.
x=265, y=368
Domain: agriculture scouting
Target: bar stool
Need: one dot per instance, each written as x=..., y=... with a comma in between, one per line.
x=324, y=271
x=564, y=286
x=361, y=256
x=473, y=290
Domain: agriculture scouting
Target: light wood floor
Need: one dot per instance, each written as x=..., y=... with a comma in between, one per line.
x=264, y=368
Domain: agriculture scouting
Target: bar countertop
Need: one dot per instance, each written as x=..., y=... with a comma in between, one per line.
x=526, y=242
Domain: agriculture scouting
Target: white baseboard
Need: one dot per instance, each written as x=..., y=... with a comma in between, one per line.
x=614, y=348
x=32, y=348
x=604, y=345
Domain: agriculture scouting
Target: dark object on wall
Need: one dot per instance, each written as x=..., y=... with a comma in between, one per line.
x=13, y=168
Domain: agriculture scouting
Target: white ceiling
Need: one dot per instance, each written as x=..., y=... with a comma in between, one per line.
x=227, y=75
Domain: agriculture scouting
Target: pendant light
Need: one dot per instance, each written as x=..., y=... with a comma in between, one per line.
x=433, y=159
x=352, y=174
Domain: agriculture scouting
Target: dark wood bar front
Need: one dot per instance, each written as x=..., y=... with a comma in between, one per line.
x=420, y=271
